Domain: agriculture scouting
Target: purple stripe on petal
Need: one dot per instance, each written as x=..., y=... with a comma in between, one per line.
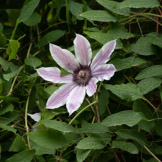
x=75, y=99
x=104, y=54
x=83, y=50
x=59, y=97
x=52, y=74
x=64, y=58
x=91, y=87
x=104, y=72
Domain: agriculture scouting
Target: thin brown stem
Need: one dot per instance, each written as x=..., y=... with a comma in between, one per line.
x=122, y=156
x=92, y=108
x=71, y=121
x=59, y=158
x=116, y=156
x=97, y=112
x=98, y=115
x=29, y=49
x=108, y=109
x=149, y=151
x=26, y=119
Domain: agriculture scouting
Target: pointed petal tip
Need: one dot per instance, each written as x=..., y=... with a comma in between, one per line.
x=36, y=117
x=91, y=87
x=72, y=109
x=77, y=35
x=114, y=41
x=75, y=99
x=37, y=70
x=50, y=45
x=83, y=50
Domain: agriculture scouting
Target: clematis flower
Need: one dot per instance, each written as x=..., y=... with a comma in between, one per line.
x=84, y=73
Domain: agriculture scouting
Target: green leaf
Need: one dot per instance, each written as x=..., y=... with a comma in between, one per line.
x=161, y=93
x=3, y=41
x=99, y=15
x=125, y=146
x=50, y=89
x=143, y=47
x=8, y=98
x=50, y=37
x=33, y=61
x=6, y=109
x=95, y=128
x=139, y=106
x=158, y=127
x=149, y=84
x=114, y=7
x=33, y=20
x=155, y=39
x=28, y=10
x=90, y=143
x=76, y=9
x=128, y=92
x=24, y=156
x=9, y=117
x=12, y=74
x=41, y=150
x=81, y=155
x=48, y=138
x=18, y=144
x=7, y=65
x=139, y=4
x=157, y=149
x=118, y=31
x=128, y=117
x=1, y=28
x=57, y=125
x=7, y=128
x=126, y=63
x=103, y=100
x=132, y=135
x=152, y=71
x=1, y=86
x=103, y=38
x=13, y=14
x=12, y=49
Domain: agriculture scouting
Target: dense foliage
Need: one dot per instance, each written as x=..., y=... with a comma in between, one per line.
x=121, y=122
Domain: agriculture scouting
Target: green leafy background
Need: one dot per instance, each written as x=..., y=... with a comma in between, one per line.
x=121, y=122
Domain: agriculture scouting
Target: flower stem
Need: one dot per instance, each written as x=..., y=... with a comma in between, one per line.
x=145, y=99
x=14, y=31
x=71, y=121
x=26, y=118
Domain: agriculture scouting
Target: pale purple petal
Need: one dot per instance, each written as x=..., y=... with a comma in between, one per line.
x=52, y=74
x=75, y=99
x=64, y=58
x=83, y=50
x=91, y=87
x=104, y=72
x=36, y=117
x=104, y=54
x=59, y=97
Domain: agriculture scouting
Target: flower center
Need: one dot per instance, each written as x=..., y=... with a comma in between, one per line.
x=82, y=75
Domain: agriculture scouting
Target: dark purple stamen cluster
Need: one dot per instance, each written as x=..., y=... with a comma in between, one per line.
x=82, y=75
